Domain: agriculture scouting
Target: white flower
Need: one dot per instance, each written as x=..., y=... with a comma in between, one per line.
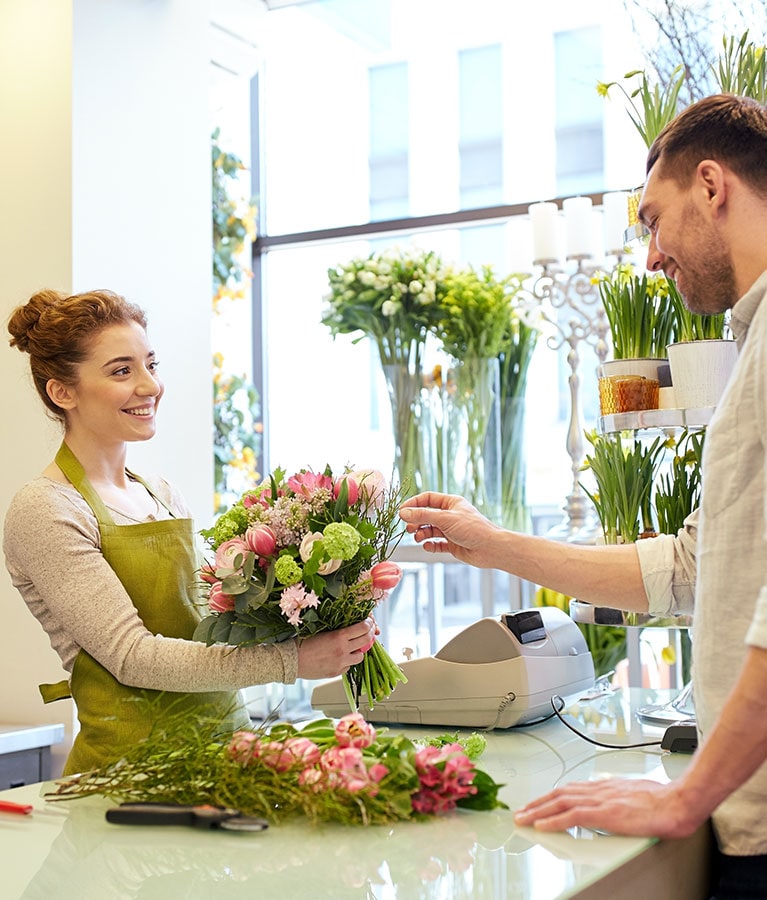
x=390, y=308
x=307, y=548
x=366, y=277
x=415, y=287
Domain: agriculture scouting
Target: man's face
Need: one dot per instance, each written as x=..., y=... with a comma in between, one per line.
x=686, y=244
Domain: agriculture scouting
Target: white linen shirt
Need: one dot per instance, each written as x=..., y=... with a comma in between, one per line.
x=718, y=561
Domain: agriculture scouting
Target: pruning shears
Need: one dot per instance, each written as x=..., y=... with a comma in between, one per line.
x=203, y=816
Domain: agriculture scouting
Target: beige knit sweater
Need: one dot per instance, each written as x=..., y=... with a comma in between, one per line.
x=52, y=552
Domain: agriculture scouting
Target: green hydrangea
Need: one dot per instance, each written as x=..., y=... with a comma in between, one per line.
x=232, y=523
x=341, y=540
x=287, y=571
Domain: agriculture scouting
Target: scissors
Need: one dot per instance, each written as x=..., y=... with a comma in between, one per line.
x=203, y=816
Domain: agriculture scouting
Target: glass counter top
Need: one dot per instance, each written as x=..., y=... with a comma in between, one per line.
x=66, y=849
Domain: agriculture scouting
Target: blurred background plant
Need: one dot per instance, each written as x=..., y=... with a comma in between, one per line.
x=237, y=428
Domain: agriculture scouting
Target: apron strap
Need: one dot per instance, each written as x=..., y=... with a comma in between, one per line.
x=151, y=493
x=70, y=466
x=59, y=691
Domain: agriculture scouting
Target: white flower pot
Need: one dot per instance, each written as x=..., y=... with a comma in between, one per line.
x=700, y=371
x=646, y=367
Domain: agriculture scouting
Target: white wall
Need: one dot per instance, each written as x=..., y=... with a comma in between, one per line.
x=105, y=182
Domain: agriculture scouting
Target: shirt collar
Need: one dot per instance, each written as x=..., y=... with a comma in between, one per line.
x=745, y=309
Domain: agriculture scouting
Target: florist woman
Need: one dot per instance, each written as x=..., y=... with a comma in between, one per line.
x=105, y=560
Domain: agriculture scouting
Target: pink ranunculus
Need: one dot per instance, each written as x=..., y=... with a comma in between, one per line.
x=306, y=484
x=218, y=601
x=353, y=731
x=351, y=486
x=228, y=552
x=386, y=576
x=208, y=574
x=372, y=486
x=261, y=540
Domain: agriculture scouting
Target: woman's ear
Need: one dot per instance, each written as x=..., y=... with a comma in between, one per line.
x=60, y=394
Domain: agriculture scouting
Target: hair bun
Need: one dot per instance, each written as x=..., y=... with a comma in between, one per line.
x=25, y=319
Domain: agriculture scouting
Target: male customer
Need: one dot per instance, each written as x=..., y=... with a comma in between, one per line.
x=705, y=205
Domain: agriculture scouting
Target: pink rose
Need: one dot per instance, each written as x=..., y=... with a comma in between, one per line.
x=261, y=540
x=218, y=601
x=228, y=552
x=386, y=576
x=352, y=488
x=353, y=731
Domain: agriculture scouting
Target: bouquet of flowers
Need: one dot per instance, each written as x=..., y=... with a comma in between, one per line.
x=304, y=554
x=389, y=297
x=343, y=771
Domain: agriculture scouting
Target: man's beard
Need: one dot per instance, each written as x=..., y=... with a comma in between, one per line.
x=707, y=284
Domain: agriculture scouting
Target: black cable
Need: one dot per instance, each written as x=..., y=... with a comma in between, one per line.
x=558, y=714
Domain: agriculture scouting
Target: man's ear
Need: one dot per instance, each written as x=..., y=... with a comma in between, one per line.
x=712, y=180
x=60, y=394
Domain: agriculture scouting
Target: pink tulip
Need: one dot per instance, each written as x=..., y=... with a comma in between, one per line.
x=218, y=601
x=352, y=487
x=261, y=540
x=354, y=731
x=385, y=576
x=208, y=574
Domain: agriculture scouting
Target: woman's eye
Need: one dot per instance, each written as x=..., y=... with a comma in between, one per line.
x=123, y=370
x=154, y=365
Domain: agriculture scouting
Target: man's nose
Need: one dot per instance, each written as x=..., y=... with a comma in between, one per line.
x=655, y=259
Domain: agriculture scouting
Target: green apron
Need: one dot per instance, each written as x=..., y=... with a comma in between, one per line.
x=156, y=563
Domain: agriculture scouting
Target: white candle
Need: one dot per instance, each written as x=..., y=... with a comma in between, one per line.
x=579, y=226
x=545, y=231
x=616, y=220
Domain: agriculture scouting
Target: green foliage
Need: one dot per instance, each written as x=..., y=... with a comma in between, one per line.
x=643, y=319
x=475, y=312
x=677, y=492
x=232, y=224
x=658, y=105
x=624, y=470
x=742, y=69
x=693, y=327
x=236, y=433
x=188, y=763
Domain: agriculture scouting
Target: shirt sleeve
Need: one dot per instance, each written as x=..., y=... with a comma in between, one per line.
x=668, y=565
x=53, y=554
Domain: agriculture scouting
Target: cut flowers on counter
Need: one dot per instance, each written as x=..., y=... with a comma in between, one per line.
x=343, y=771
x=304, y=554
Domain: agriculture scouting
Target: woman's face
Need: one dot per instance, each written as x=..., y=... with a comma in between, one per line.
x=118, y=390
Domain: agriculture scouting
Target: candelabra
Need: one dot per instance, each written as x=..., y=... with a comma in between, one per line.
x=569, y=302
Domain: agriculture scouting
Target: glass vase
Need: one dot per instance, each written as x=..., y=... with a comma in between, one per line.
x=471, y=433
x=515, y=513
x=412, y=427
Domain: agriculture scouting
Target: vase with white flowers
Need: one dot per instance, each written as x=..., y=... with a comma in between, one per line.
x=391, y=298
